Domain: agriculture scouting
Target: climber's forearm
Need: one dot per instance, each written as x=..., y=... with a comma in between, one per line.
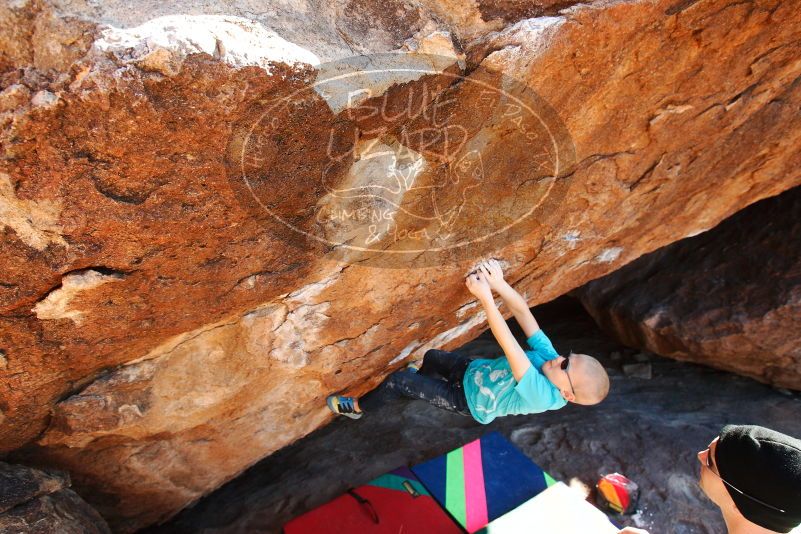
x=519, y=308
x=518, y=361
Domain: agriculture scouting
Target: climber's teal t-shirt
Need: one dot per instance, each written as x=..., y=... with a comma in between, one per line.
x=492, y=391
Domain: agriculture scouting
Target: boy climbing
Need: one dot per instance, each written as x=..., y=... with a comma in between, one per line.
x=523, y=382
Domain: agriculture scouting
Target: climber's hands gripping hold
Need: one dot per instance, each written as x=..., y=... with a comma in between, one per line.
x=493, y=273
x=479, y=286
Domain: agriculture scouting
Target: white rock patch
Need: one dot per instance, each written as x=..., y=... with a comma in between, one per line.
x=609, y=255
x=457, y=331
x=347, y=83
x=35, y=223
x=404, y=353
x=162, y=44
x=57, y=304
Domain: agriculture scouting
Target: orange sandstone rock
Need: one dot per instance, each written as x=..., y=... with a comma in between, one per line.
x=174, y=303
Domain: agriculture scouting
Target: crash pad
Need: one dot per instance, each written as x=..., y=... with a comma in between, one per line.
x=482, y=480
x=394, y=502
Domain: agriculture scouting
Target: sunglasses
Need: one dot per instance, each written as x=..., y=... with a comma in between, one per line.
x=711, y=466
x=564, y=366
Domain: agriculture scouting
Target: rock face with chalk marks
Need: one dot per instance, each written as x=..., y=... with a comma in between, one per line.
x=729, y=298
x=177, y=298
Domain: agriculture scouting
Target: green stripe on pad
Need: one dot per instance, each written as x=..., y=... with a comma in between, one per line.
x=454, y=486
x=549, y=480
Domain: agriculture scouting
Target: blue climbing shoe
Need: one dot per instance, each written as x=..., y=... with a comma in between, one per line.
x=343, y=406
x=414, y=366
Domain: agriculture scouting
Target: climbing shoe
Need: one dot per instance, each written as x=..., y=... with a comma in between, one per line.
x=343, y=406
x=414, y=366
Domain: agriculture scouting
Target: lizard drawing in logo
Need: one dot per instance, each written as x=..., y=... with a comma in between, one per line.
x=392, y=191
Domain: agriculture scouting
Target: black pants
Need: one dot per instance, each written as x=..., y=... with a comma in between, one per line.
x=439, y=382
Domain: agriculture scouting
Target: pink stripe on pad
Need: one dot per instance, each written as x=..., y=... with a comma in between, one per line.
x=476, y=500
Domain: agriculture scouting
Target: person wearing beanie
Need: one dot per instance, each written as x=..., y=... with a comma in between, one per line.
x=753, y=474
